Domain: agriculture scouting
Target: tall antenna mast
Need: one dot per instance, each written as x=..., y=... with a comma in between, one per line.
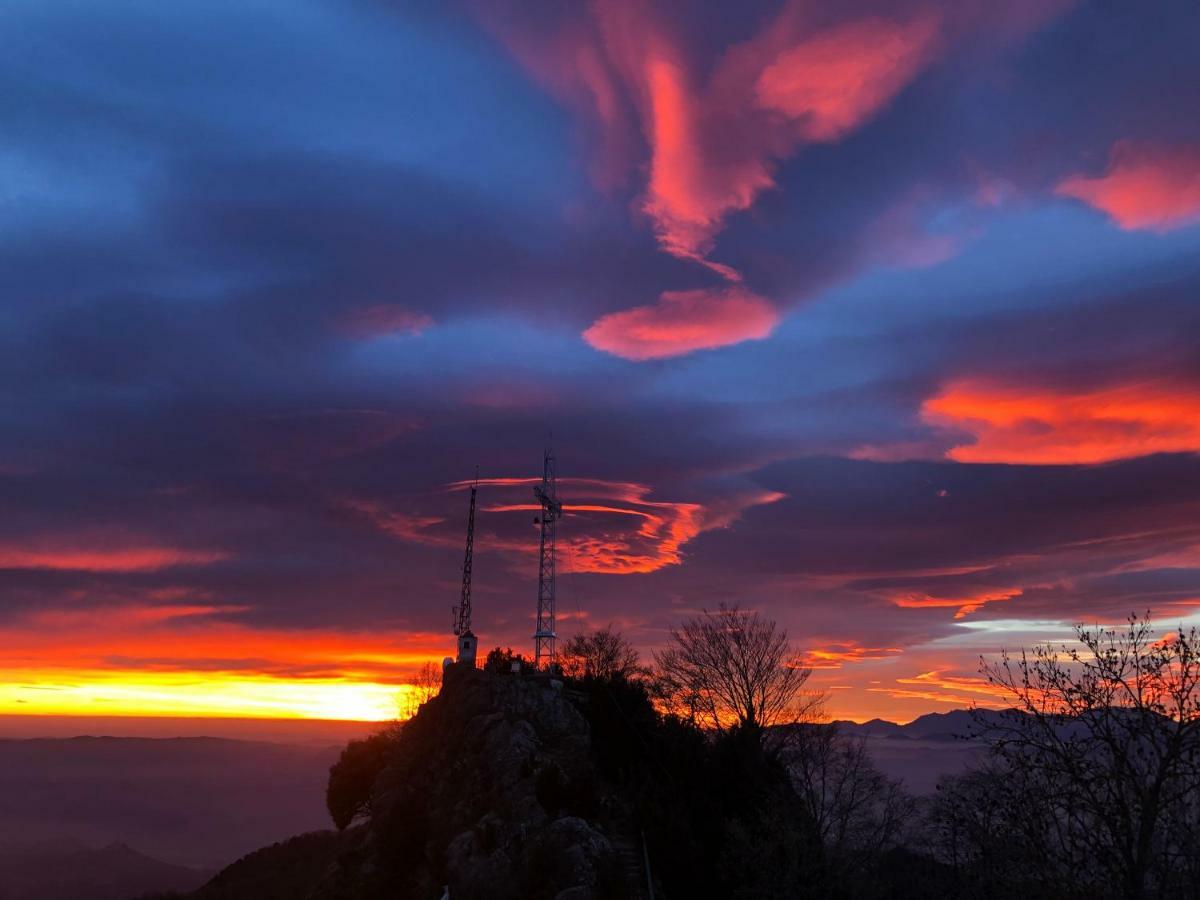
x=547, y=494
x=467, y=642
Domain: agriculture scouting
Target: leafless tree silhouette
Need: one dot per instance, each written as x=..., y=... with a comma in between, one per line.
x=1098, y=765
x=857, y=810
x=604, y=653
x=732, y=666
x=426, y=684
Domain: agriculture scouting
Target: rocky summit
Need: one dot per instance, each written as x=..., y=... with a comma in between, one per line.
x=512, y=785
x=490, y=791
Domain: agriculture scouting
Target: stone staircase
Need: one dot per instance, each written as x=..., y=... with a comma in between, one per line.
x=627, y=842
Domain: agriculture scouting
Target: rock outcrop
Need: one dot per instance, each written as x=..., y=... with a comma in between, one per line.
x=490, y=791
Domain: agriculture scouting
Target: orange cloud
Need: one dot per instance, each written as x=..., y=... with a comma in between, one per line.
x=598, y=537
x=835, y=655
x=938, y=686
x=964, y=605
x=682, y=322
x=1015, y=424
x=79, y=556
x=610, y=527
x=1145, y=186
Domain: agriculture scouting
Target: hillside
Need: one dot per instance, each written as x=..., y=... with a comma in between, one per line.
x=68, y=871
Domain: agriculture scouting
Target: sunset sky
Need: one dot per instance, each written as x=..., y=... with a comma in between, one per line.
x=880, y=318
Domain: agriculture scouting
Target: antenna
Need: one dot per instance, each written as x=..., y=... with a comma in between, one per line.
x=462, y=612
x=547, y=495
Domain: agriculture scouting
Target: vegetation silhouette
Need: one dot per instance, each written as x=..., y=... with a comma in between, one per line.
x=1092, y=786
x=352, y=777
x=714, y=767
x=730, y=666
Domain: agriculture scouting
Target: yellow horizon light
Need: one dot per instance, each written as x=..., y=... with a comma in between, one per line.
x=209, y=695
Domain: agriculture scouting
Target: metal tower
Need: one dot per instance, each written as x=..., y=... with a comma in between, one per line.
x=467, y=642
x=547, y=495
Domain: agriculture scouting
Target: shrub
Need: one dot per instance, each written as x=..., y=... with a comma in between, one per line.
x=351, y=778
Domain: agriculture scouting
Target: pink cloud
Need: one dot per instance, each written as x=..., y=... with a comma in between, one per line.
x=715, y=139
x=87, y=557
x=383, y=319
x=682, y=322
x=707, y=132
x=715, y=145
x=689, y=192
x=1145, y=186
x=835, y=79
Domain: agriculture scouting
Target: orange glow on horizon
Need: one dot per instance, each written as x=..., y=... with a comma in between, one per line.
x=91, y=692
x=1017, y=424
x=152, y=660
x=162, y=661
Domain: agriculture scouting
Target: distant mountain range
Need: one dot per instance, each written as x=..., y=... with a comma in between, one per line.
x=958, y=724
x=67, y=870
x=925, y=749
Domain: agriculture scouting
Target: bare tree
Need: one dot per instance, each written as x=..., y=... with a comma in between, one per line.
x=989, y=826
x=1106, y=737
x=857, y=810
x=426, y=684
x=733, y=667
x=604, y=653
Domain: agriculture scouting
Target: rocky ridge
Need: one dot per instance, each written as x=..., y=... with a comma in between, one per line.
x=490, y=792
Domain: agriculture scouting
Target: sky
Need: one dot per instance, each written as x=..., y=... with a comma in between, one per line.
x=879, y=319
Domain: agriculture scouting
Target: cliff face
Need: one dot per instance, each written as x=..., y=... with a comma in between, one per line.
x=491, y=791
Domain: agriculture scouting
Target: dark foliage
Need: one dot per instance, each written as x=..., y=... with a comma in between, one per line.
x=351, y=778
x=510, y=786
x=603, y=653
x=719, y=815
x=499, y=661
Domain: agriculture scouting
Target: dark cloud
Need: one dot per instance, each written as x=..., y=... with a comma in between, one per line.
x=275, y=279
